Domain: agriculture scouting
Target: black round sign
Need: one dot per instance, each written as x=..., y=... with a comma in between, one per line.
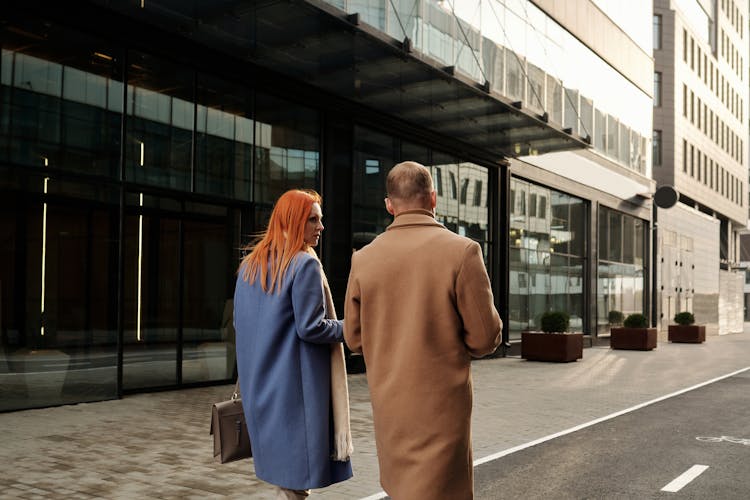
x=666, y=197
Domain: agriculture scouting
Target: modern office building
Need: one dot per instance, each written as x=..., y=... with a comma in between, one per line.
x=700, y=148
x=143, y=142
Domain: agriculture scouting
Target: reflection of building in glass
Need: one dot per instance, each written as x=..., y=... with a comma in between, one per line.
x=462, y=204
x=547, y=255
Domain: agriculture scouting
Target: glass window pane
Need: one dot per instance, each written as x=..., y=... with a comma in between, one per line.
x=494, y=64
x=535, y=94
x=56, y=110
x=160, y=125
x=554, y=100
x=473, y=210
x=374, y=156
x=587, y=117
x=571, y=118
x=621, y=272
x=151, y=302
x=613, y=134
x=59, y=335
x=287, y=147
x=515, y=65
x=547, y=271
x=447, y=211
x=224, y=146
x=209, y=266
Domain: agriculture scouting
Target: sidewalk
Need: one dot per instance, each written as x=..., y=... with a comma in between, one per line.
x=157, y=445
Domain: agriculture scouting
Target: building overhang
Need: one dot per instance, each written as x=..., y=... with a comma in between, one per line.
x=314, y=42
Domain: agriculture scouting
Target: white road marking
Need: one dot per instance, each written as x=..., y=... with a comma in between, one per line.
x=495, y=456
x=684, y=478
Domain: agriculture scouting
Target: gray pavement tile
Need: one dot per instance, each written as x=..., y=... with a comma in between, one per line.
x=157, y=445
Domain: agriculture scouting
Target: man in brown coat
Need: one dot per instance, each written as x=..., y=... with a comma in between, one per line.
x=419, y=306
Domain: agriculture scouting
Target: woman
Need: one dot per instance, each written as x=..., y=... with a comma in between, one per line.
x=290, y=356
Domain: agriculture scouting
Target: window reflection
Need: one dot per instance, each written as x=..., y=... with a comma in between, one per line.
x=547, y=255
x=621, y=266
x=61, y=113
x=462, y=188
x=151, y=303
x=160, y=122
x=58, y=334
x=224, y=132
x=374, y=155
x=287, y=147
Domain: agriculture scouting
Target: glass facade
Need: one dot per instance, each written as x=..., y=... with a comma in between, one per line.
x=131, y=179
x=59, y=299
x=547, y=256
x=118, y=257
x=621, y=281
x=128, y=249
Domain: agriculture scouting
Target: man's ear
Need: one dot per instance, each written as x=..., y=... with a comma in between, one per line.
x=433, y=200
x=389, y=206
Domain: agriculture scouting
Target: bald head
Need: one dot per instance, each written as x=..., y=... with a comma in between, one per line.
x=409, y=186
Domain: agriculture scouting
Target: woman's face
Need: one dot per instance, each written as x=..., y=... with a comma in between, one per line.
x=314, y=225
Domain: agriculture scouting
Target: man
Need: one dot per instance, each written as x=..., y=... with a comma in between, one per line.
x=418, y=307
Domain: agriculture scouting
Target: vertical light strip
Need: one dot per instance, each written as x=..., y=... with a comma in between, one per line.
x=44, y=248
x=140, y=269
x=140, y=256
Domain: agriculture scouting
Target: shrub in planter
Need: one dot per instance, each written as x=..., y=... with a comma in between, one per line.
x=615, y=317
x=685, y=330
x=634, y=334
x=684, y=318
x=553, y=343
x=555, y=322
x=636, y=320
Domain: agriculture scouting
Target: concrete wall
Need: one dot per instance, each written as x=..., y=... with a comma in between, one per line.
x=688, y=261
x=731, y=301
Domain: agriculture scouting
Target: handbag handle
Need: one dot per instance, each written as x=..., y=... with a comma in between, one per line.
x=236, y=393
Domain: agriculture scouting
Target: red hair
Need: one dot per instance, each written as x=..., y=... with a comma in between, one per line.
x=282, y=240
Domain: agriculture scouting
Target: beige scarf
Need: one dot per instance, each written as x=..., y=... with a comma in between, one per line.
x=339, y=390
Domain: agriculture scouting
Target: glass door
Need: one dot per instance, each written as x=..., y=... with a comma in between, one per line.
x=151, y=303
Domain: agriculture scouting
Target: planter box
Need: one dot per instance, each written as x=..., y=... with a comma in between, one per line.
x=560, y=347
x=694, y=334
x=639, y=339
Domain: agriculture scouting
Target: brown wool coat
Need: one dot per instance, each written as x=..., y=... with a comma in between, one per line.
x=419, y=306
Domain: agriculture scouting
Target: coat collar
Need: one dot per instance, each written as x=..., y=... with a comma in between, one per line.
x=415, y=217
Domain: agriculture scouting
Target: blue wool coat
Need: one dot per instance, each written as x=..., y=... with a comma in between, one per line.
x=284, y=367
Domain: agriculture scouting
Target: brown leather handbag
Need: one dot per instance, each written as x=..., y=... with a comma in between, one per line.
x=231, y=440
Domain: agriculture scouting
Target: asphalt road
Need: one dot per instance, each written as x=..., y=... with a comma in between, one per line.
x=639, y=453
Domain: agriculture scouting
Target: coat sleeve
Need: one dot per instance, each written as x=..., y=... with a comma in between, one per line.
x=352, y=324
x=481, y=321
x=308, y=305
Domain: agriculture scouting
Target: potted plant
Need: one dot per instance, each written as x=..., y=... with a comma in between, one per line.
x=633, y=334
x=554, y=342
x=685, y=330
x=615, y=318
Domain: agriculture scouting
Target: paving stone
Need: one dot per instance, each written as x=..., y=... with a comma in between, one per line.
x=157, y=445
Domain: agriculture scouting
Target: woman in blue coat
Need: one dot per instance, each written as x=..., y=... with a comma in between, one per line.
x=284, y=351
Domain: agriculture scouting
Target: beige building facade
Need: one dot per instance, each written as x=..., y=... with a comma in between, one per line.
x=700, y=148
